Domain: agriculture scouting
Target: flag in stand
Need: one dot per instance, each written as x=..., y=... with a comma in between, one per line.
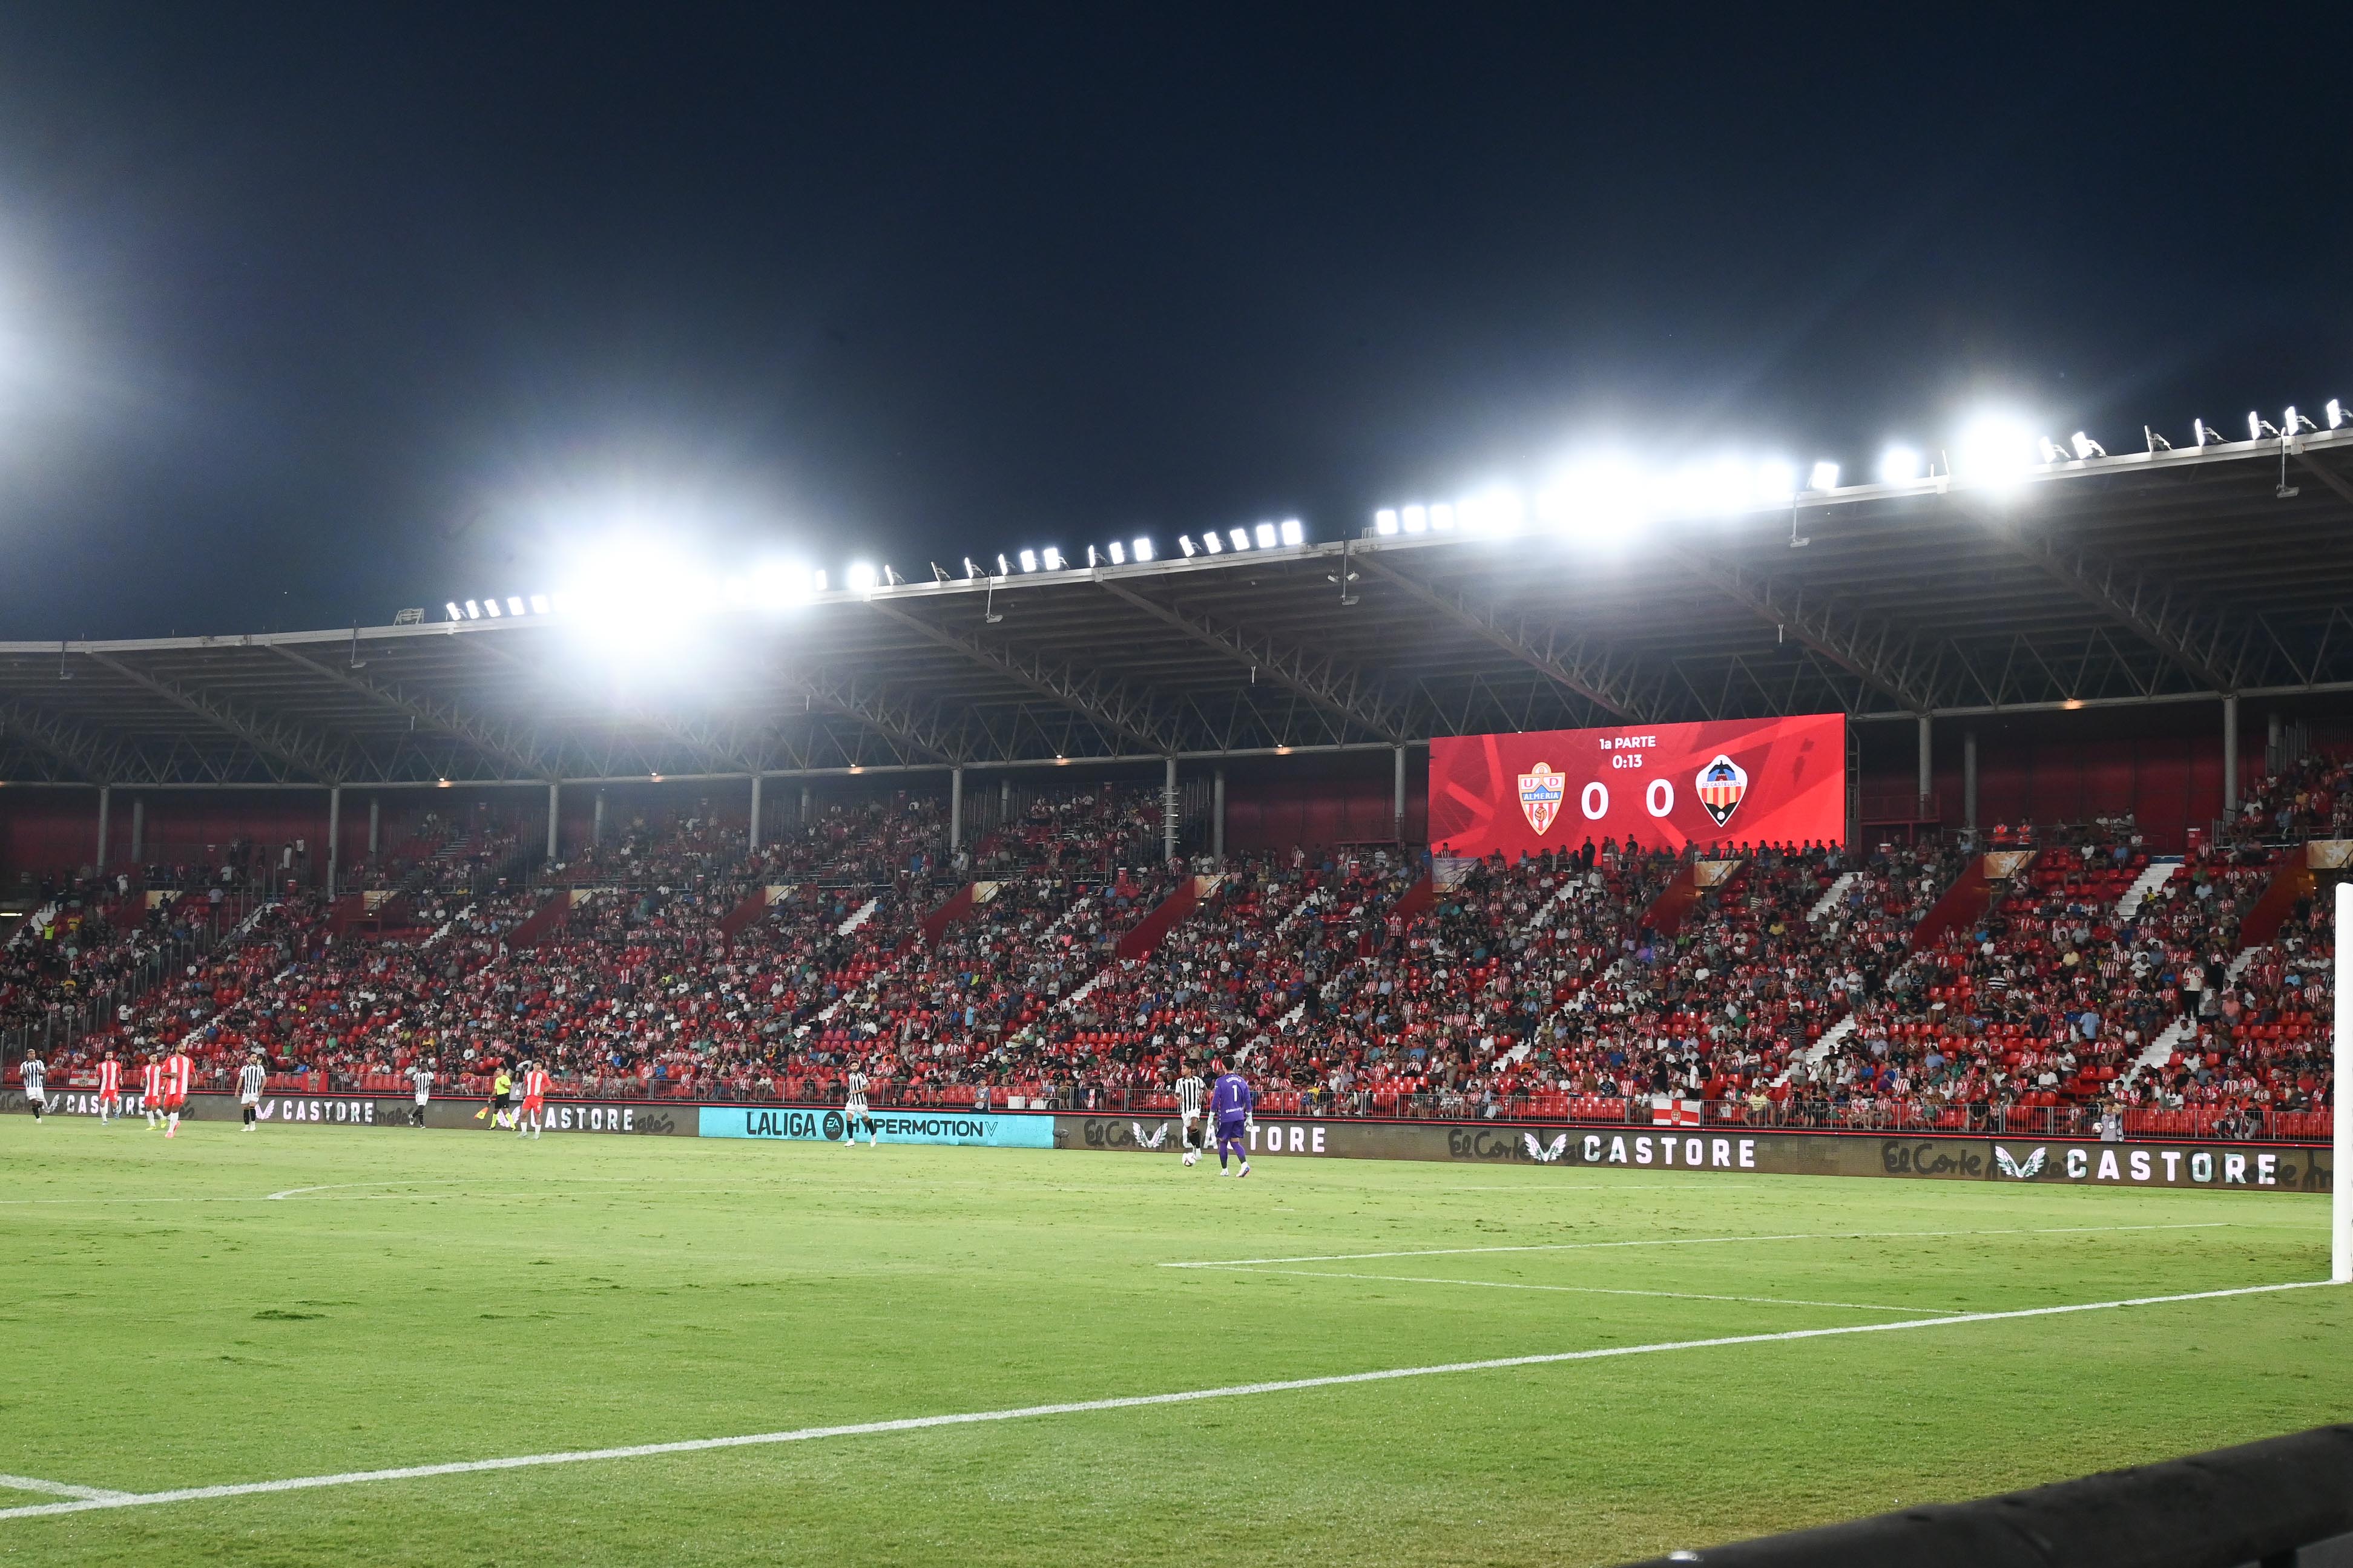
x=1668, y=1111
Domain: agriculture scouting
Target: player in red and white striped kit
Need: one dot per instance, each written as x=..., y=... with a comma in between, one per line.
x=534, y=1099
x=110, y=1089
x=177, y=1071
x=151, y=1089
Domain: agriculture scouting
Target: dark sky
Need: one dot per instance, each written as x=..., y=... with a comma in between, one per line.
x=310, y=313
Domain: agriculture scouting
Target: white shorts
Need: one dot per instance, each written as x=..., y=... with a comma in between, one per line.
x=254, y=1098
x=37, y=1095
x=854, y=1109
x=1191, y=1117
x=422, y=1096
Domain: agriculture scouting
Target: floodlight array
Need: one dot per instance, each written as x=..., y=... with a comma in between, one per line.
x=1608, y=496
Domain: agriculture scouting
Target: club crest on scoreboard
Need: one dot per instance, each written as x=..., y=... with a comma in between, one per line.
x=1540, y=796
x=1720, y=784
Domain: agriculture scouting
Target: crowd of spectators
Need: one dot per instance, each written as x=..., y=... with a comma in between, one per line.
x=1775, y=983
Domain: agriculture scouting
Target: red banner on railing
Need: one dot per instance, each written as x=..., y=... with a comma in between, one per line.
x=1776, y=781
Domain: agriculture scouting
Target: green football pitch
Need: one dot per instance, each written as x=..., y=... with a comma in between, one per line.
x=227, y=1309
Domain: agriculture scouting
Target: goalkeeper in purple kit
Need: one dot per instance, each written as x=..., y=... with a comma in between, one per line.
x=1230, y=1106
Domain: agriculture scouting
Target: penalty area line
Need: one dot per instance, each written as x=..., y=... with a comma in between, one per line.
x=1084, y=1406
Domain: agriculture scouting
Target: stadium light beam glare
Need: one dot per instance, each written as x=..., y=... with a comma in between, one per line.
x=1994, y=450
x=1899, y=466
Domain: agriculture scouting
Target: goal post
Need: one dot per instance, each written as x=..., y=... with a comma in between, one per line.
x=2340, y=1191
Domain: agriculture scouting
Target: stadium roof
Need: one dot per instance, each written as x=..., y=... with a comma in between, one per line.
x=2169, y=576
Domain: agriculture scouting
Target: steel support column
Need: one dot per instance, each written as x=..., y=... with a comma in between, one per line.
x=2230, y=756
x=1397, y=806
x=335, y=835
x=1928, y=758
x=1168, y=812
x=137, y=828
x=1969, y=780
x=555, y=803
x=755, y=811
x=106, y=805
x=375, y=827
x=1218, y=813
x=597, y=822
x=956, y=810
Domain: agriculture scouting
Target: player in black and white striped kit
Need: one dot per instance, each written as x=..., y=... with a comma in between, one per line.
x=853, y=1111
x=34, y=1078
x=1191, y=1095
x=250, y=1079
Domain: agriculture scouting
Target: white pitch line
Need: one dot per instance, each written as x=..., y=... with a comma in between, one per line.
x=1079, y=1407
x=1572, y=1290
x=60, y=1488
x=1692, y=1241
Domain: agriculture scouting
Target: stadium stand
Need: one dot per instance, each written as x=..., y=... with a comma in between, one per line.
x=2033, y=987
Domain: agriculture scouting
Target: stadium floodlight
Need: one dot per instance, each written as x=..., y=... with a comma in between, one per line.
x=1028, y=561
x=542, y=606
x=2049, y=450
x=1141, y=548
x=1053, y=558
x=1417, y=518
x=1004, y=567
x=1718, y=488
x=2156, y=443
x=1292, y=533
x=2336, y=413
x=777, y=585
x=489, y=605
x=1091, y=556
x=1239, y=538
x=455, y=613
x=1211, y=543
x=1384, y=521
x=2294, y=424
x=1898, y=466
x=1442, y=518
x=1994, y=450
x=1497, y=510
x=817, y=580
x=971, y=571
x=1825, y=477
x=1265, y=536
x=1185, y=546
x=2086, y=447
x=1777, y=483
x=861, y=578
x=514, y=605
x=2257, y=425
x=1118, y=554
x=2204, y=434
x=1603, y=500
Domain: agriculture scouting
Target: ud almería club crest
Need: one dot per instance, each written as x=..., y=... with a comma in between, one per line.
x=1721, y=785
x=1540, y=793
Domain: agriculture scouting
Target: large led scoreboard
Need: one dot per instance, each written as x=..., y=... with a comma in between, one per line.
x=1739, y=781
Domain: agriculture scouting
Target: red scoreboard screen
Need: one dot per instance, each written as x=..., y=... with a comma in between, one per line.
x=1739, y=781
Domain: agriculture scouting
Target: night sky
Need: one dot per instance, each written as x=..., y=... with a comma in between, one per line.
x=308, y=314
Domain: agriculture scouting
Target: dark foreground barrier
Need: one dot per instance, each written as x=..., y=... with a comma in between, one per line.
x=2284, y=1501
